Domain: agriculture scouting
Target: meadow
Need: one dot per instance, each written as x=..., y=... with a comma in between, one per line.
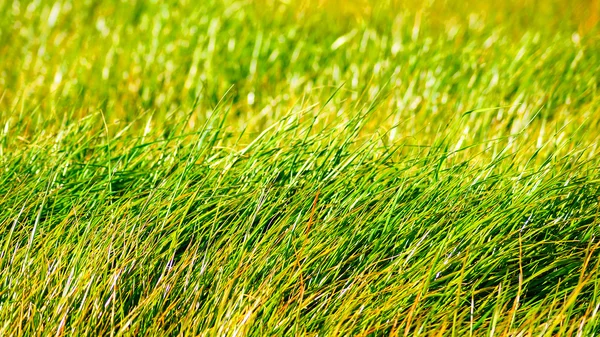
x=299, y=168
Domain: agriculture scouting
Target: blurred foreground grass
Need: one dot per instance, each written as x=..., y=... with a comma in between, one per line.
x=299, y=168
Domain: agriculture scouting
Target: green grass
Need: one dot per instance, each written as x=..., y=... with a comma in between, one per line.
x=287, y=168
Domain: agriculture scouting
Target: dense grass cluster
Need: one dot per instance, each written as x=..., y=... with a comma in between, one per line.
x=321, y=168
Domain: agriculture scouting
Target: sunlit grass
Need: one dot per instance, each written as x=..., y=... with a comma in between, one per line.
x=307, y=167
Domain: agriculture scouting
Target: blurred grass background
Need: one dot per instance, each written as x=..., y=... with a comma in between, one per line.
x=426, y=61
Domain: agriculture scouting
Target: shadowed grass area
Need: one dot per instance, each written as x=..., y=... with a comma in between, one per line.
x=272, y=168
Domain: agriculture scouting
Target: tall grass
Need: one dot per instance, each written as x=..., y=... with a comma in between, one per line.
x=259, y=168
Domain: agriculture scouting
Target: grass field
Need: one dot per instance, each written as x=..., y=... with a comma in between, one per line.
x=300, y=168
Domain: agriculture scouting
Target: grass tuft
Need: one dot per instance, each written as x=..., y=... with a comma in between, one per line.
x=235, y=168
